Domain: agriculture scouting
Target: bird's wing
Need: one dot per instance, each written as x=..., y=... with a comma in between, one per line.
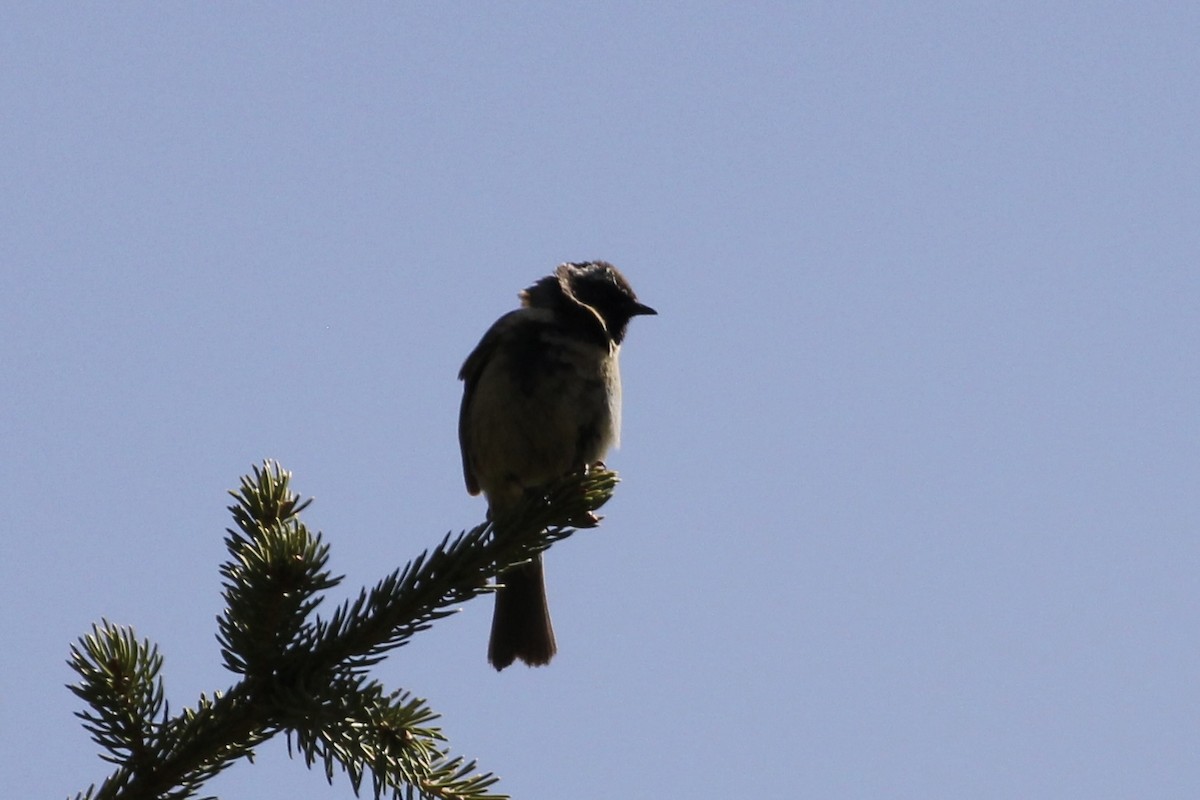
x=472, y=368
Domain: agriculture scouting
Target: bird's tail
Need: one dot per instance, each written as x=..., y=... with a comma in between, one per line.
x=521, y=622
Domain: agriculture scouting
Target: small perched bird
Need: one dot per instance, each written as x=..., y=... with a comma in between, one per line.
x=542, y=399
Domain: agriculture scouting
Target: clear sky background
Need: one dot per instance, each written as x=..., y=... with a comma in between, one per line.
x=911, y=454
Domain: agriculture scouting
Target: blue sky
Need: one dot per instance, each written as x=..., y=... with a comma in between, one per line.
x=910, y=455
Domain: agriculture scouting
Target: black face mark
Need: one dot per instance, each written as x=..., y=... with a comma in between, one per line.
x=601, y=286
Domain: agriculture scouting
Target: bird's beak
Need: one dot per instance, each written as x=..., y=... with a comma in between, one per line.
x=643, y=310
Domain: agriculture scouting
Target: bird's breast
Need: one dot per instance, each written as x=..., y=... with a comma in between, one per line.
x=544, y=409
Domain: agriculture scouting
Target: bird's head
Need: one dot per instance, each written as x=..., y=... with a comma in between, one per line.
x=597, y=285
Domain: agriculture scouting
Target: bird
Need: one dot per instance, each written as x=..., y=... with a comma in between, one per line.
x=542, y=399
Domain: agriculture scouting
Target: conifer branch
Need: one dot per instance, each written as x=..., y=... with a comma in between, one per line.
x=300, y=674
